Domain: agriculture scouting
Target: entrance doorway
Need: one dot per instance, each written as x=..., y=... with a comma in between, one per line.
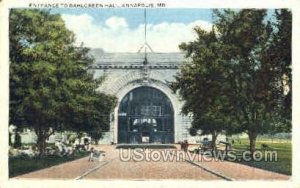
x=145, y=115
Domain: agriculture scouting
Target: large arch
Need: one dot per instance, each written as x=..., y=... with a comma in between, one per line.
x=145, y=115
x=159, y=85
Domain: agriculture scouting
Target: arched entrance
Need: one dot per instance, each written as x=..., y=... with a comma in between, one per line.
x=145, y=115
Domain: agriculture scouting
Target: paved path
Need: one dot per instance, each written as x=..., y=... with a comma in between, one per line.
x=237, y=171
x=68, y=170
x=72, y=169
x=133, y=170
x=113, y=168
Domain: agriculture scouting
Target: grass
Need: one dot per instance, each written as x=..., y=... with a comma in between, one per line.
x=284, y=155
x=23, y=164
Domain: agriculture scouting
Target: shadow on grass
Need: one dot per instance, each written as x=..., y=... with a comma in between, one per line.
x=24, y=164
x=283, y=164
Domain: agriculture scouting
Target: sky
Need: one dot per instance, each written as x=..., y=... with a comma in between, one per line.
x=122, y=30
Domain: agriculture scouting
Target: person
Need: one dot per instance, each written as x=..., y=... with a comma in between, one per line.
x=92, y=152
x=186, y=145
x=181, y=145
x=86, y=143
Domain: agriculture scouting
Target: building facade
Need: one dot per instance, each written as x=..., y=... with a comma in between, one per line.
x=148, y=111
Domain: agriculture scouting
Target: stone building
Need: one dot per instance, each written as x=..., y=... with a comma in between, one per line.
x=147, y=110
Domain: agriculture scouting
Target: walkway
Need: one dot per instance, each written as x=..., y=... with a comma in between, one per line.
x=113, y=168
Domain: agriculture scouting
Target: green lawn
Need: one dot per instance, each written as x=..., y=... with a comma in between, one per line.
x=284, y=155
x=24, y=164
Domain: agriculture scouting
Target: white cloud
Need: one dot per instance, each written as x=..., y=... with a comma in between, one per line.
x=116, y=36
x=116, y=23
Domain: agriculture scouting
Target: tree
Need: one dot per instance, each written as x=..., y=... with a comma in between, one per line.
x=256, y=84
x=9, y=139
x=49, y=77
x=93, y=120
x=17, y=141
x=244, y=35
x=200, y=84
x=278, y=55
x=229, y=81
x=96, y=135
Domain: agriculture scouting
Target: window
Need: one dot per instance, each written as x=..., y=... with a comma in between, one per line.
x=151, y=110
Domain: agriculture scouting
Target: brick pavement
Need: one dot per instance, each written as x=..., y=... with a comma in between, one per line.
x=117, y=169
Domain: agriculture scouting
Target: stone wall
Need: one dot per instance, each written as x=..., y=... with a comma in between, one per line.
x=119, y=80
